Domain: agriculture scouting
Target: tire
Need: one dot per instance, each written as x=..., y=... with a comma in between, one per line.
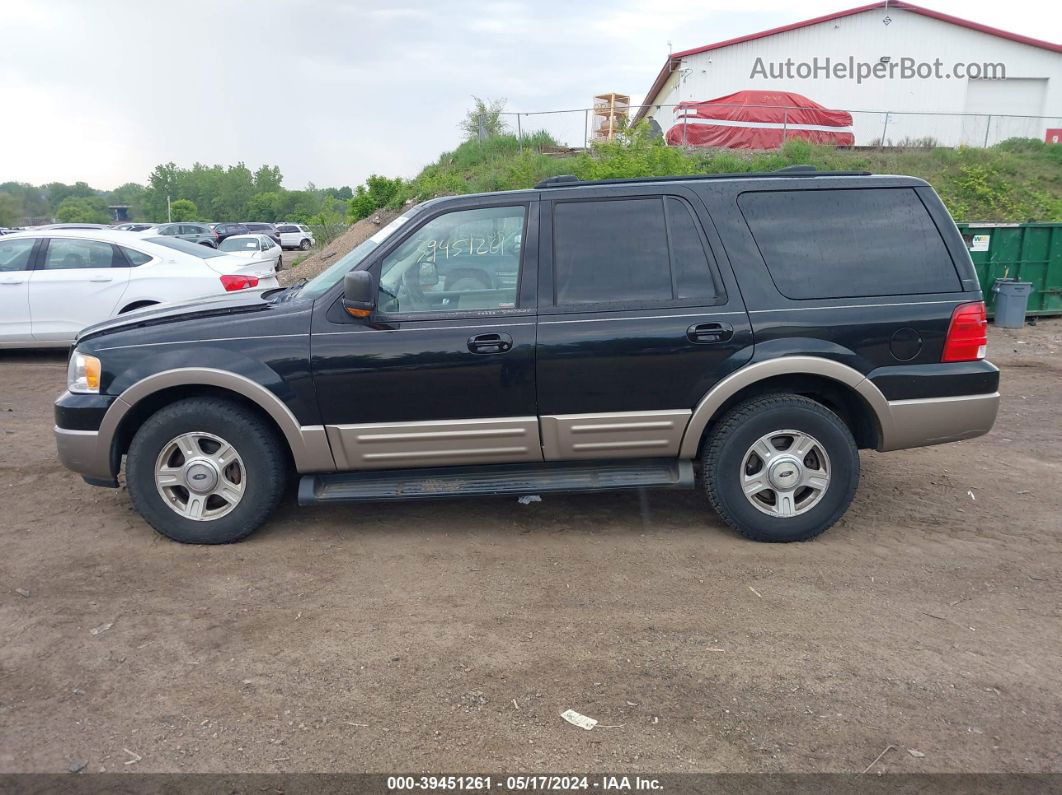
x=259, y=458
x=280, y=263
x=731, y=463
x=304, y=244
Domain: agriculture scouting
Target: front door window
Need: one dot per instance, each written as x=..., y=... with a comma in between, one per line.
x=467, y=260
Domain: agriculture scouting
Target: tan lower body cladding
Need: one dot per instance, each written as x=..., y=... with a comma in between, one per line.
x=401, y=445
x=508, y=440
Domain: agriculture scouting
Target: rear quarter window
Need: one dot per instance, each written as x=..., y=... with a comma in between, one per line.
x=850, y=243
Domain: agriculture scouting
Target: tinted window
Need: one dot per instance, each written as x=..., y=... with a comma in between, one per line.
x=135, y=257
x=67, y=254
x=849, y=243
x=288, y=228
x=464, y=260
x=689, y=263
x=610, y=251
x=187, y=246
x=629, y=251
x=15, y=254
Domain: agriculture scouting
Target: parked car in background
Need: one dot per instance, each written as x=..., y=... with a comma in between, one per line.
x=185, y=230
x=254, y=227
x=295, y=236
x=766, y=326
x=56, y=282
x=258, y=248
x=70, y=226
x=132, y=227
x=224, y=230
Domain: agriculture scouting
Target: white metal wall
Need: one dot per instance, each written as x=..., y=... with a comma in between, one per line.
x=865, y=37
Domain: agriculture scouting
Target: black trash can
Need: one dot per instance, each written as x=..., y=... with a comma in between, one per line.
x=1012, y=300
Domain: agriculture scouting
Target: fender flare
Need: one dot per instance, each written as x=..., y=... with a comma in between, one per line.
x=786, y=365
x=308, y=443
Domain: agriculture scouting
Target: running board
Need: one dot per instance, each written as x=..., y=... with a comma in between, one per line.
x=487, y=480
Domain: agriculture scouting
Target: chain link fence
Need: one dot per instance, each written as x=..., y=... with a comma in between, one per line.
x=572, y=128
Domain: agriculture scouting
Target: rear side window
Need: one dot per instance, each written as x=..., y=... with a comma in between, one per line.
x=689, y=263
x=135, y=257
x=849, y=243
x=15, y=254
x=287, y=229
x=628, y=251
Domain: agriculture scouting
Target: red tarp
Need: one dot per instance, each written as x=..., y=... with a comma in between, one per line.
x=758, y=120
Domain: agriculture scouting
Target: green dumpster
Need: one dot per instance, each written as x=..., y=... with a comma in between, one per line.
x=1029, y=252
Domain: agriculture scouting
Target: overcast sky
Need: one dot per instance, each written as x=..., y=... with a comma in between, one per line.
x=333, y=90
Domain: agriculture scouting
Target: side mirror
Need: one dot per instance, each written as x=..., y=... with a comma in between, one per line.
x=359, y=293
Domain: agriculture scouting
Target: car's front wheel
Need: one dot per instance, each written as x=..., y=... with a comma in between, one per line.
x=205, y=471
x=780, y=468
x=304, y=244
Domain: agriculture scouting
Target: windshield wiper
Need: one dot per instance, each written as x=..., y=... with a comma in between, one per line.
x=290, y=291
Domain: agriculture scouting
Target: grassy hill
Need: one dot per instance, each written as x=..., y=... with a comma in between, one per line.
x=1017, y=180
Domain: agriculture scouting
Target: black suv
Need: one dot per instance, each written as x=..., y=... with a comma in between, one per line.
x=255, y=228
x=227, y=230
x=751, y=331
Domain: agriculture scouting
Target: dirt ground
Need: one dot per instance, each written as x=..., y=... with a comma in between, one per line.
x=449, y=636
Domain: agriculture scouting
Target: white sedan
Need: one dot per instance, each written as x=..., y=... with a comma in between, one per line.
x=256, y=248
x=53, y=283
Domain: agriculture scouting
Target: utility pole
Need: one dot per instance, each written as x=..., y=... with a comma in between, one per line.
x=169, y=216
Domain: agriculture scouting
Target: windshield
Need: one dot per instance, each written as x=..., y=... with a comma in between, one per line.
x=324, y=281
x=238, y=244
x=195, y=249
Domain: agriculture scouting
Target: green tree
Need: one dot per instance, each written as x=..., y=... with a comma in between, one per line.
x=161, y=183
x=184, y=210
x=58, y=192
x=485, y=118
x=84, y=210
x=31, y=200
x=267, y=179
x=343, y=194
x=10, y=210
x=265, y=207
x=377, y=192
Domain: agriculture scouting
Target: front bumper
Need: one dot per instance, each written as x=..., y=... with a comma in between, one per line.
x=86, y=454
x=81, y=445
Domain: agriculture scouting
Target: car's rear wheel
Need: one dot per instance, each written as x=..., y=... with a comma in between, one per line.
x=304, y=244
x=205, y=471
x=780, y=468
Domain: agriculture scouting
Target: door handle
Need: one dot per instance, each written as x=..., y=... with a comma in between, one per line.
x=102, y=279
x=490, y=343
x=710, y=332
x=12, y=281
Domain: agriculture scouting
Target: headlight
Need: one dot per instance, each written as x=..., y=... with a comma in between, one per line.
x=83, y=374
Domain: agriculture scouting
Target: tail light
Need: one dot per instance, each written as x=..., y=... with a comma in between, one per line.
x=967, y=338
x=232, y=283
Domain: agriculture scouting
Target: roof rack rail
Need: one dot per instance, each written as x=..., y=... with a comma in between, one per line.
x=571, y=181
